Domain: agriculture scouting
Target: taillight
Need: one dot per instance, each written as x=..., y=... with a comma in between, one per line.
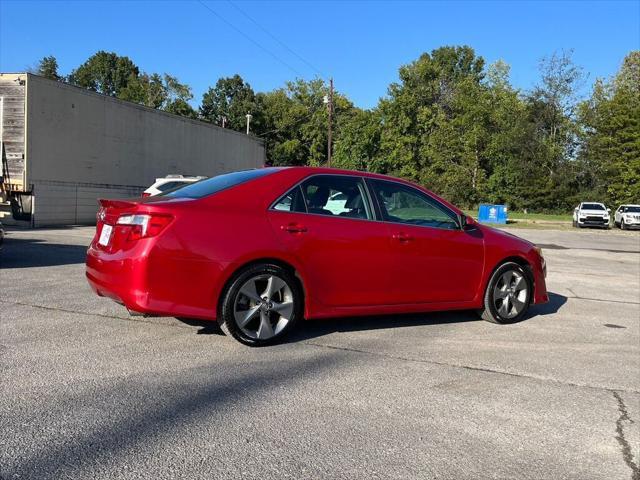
x=144, y=225
x=145, y=194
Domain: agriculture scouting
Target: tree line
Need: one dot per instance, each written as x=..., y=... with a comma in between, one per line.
x=451, y=123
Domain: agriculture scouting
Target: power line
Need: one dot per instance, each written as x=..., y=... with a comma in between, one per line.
x=250, y=39
x=282, y=44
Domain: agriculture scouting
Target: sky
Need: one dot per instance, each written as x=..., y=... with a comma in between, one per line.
x=361, y=44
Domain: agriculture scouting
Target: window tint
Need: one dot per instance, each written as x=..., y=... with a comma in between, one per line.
x=293, y=201
x=212, y=185
x=403, y=204
x=592, y=206
x=336, y=195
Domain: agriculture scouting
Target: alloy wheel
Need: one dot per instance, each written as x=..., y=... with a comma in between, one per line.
x=263, y=306
x=510, y=294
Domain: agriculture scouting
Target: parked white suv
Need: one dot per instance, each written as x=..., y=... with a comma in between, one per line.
x=591, y=214
x=168, y=183
x=627, y=216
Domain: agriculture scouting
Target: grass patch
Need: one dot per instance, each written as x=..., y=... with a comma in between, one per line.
x=520, y=217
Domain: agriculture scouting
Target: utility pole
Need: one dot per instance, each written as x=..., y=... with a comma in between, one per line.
x=330, y=106
x=249, y=117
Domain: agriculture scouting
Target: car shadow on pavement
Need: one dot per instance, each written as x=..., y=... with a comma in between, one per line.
x=317, y=328
x=207, y=327
x=555, y=303
x=27, y=253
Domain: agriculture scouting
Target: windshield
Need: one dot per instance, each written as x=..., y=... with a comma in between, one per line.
x=635, y=209
x=592, y=206
x=212, y=185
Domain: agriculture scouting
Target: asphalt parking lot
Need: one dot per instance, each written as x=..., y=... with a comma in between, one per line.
x=88, y=392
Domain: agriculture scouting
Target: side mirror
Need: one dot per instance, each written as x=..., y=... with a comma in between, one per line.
x=467, y=223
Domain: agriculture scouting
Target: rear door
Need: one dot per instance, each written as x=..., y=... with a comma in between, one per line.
x=434, y=259
x=327, y=222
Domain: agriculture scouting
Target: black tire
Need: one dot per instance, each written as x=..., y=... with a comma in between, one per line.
x=226, y=317
x=622, y=225
x=489, y=312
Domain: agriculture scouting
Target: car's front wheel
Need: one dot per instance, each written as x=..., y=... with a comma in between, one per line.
x=508, y=294
x=261, y=304
x=622, y=225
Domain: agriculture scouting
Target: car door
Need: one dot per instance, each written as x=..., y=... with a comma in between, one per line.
x=435, y=260
x=344, y=252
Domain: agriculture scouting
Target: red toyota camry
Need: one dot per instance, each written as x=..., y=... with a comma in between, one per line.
x=259, y=250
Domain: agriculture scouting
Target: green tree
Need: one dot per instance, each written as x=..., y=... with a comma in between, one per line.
x=293, y=121
x=48, y=68
x=231, y=98
x=357, y=146
x=106, y=73
x=433, y=123
x=611, y=135
x=116, y=76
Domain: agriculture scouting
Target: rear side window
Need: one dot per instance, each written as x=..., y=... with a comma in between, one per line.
x=336, y=195
x=291, y=202
x=212, y=185
x=331, y=195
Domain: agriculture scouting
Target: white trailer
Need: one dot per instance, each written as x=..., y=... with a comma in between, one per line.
x=63, y=147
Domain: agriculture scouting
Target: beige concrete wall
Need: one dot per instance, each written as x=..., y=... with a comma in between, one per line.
x=82, y=141
x=77, y=135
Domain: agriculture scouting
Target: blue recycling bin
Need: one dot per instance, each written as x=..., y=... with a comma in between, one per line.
x=492, y=213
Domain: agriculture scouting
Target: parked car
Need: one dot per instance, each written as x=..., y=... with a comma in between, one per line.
x=591, y=214
x=258, y=250
x=169, y=182
x=627, y=217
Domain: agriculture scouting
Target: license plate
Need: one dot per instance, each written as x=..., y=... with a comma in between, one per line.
x=105, y=235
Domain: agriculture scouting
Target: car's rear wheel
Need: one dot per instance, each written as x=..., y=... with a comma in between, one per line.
x=508, y=294
x=261, y=305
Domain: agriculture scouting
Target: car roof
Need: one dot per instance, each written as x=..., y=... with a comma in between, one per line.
x=340, y=171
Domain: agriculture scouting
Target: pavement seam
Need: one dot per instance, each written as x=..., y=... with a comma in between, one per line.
x=102, y=315
x=625, y=448
x=355, y=350
x=472, y=368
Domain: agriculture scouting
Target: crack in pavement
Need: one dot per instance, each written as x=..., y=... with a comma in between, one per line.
x=472, y=368
x=355, y=350
x=627, y=454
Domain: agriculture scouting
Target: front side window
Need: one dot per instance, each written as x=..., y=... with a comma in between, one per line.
x=403, y=204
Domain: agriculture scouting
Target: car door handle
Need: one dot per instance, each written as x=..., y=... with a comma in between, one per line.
x=402, y=237
x=294, y=228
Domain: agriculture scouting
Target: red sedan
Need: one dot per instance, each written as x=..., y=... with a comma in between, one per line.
x=259, y=250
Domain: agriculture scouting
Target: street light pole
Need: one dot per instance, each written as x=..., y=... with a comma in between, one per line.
x=249, y=117
x=330, y=106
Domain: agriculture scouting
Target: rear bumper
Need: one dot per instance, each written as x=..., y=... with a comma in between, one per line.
x=120, y=279
x=148, y=280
